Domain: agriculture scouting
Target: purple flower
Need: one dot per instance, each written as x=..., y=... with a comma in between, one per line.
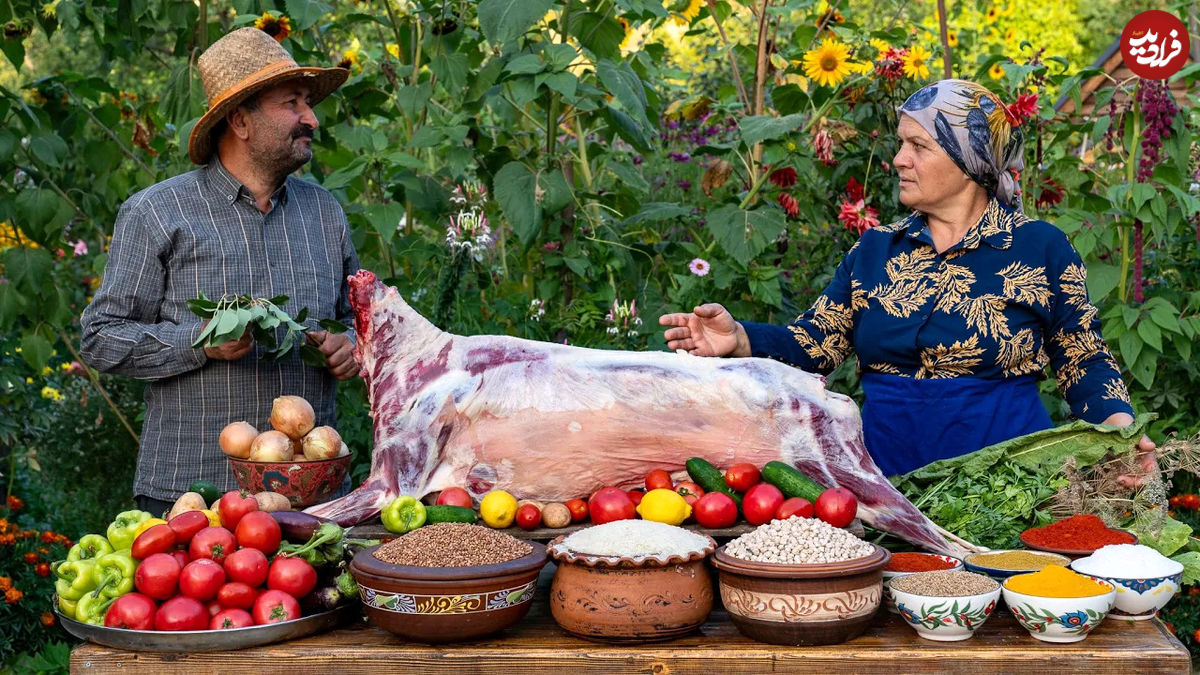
x=683, y=184
x=699, y=266
x=680, y=157
x=637, y=160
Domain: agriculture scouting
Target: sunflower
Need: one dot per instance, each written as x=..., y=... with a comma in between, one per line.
x=828, y=64
x=394, y=50
x=1010, y=35
x=992, y=14
x=630, y=33
x=914, y=63
x=952, y=38
x=278, y=27
x=351, y=58
x=684, y=11
x=880, y=46
x=996, y=72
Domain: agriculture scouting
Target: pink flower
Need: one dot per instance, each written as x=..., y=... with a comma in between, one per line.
x=857, y=216
x=789, y=204
x=699, y=267
x=80, y=247
x=823, y=147
x=854, y=189
x=784, y=178
x=1025, y=107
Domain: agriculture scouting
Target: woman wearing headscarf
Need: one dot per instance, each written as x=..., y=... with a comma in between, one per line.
x=955, y=311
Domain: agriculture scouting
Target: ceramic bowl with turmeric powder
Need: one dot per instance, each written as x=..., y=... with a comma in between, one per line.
x=1056, y=604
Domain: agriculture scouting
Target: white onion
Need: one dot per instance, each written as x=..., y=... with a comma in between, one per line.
x=322, y=443
x=236, y=439
x=271, y=446
x=293, y=416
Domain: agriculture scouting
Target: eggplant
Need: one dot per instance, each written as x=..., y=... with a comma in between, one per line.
x=322, y=599
x=297, y=527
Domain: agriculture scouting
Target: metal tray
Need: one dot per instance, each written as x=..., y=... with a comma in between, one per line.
x=209, y=640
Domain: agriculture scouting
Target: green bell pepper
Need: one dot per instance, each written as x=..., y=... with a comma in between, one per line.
x=205, y=489
x=114, y=574
x=404, y=514
x=121, y=530
x=67, y=607
x=90, y=546
x=75, y=579
x=92, y=608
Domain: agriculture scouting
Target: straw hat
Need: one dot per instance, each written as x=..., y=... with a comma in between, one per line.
x=241, y=64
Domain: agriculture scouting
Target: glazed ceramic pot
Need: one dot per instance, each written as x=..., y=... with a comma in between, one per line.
x=889, y=603
x=1140, y=599
x=446, y=604
x=629, y=600
x=797, y=605
x=1059, y=619
x=945, y=619
x=303, y=483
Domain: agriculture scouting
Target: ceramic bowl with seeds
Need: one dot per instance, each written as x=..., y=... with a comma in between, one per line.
x=944, y=606
x=448, y=582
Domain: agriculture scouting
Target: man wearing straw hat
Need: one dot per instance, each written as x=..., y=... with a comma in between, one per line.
x=241, y=223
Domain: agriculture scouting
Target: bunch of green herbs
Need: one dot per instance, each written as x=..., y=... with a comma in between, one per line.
x=232, y=315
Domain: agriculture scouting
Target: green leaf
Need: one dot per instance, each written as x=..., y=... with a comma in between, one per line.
x=564, y=83
x=658, y=211
x=503, y=21
x=412, y=100
x=1144, y=369
x=38, y=210
x=516, y=192
x=183, y=97
x=1131, y=347
x=789, y=99
x=629, y=177
x=1160, y=532
x=559, y=55
x=626, y=128
x=484, y=79
x=452, y=69
x=1190, y=560
x=1166, y=317
x=1150, y=334
x=27, y=268
x=556, y=194
x=311, y=356
x=202, y=307
x=745, y=234
x=526, y=64
x=35, y=349
x=626, y=87
x=766, y=127
x=1141, y=193
x=15, y=51
x=49, y=148
x=598, y=33
x=385, y=218
x=8, y=144
x=333, y=326
x=1184, y=346
x=305, y=13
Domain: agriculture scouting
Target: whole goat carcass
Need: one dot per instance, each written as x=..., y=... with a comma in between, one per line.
x=550, y=421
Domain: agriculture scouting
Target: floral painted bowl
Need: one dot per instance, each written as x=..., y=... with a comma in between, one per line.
x=1059, y=619
x=303, y=483
x=889, y=603
x=945, y=619
x=446, y=604
x=1140, y=599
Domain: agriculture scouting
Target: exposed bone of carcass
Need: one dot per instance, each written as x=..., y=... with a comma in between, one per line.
x=552, y=422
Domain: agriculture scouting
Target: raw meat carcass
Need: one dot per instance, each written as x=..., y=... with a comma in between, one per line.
x=551, y=422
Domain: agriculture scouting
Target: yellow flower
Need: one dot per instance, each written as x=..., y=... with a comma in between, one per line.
x=684, y=11
x=828, y=64
x=996, y=72
x=393, y=49
x=629, y=33
x=861, y=68
x=18, y=350
x=47, y=370
x=29, y=380
x=51, y=393
x=952, y=38
x=65, y=366
x=351, y=57
x=880, y=46
x=914, y=63
x=50, y=9
x=278, y=27
x=992, y=14
x=1010, y=35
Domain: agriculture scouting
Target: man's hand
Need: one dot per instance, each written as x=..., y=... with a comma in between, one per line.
x=338, y=350
x=232, y=350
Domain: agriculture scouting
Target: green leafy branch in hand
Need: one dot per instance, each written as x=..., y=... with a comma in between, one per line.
x=232, y=315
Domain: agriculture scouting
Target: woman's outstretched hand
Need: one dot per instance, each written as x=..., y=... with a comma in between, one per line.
x=709, y=330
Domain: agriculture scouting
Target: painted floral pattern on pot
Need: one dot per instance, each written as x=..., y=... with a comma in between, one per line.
x=1169, y=584
x=807, y=607
x=303, y=483
x=942, y=613
x=1079, y=622
x=405, y=603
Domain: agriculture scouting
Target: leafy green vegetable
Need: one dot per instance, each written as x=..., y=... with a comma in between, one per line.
x=1191, y=566
x=231, y=315
x=1160, y=532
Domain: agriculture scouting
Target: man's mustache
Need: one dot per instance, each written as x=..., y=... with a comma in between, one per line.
x=302, y=132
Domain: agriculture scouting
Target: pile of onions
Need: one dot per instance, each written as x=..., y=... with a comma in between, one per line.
x=293, y=438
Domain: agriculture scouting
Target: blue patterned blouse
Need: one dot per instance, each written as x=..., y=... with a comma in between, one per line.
x=1005, y=302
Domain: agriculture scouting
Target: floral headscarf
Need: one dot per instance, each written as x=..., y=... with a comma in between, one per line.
x=976, y=129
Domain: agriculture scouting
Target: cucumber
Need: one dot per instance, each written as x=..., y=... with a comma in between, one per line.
x=710, y=478
x=450, y=514
x=791, y=482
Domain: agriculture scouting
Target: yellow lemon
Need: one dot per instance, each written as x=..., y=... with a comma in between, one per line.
x=147, y=524
x=498, y=509
x=664, y=506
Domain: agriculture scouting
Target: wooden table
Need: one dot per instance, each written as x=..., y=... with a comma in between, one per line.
x=538, y=645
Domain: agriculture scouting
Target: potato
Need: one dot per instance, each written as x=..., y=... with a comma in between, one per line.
x=272, y=501
x=188, y=501
x=535, y=502
x=556, y=515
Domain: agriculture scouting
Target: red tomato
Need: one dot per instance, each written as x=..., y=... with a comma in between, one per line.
x=760, y=503
x=212, y=542
x=742, y=477
x=259, y=530
x=837, y=506
x=231, y=618
x=578, y=509
x=181, y=557
x=236, y=595
x=529, y=517
x=274, y=606
x=715, y=510
x=201, y=579
x=796, y=506
x=609, y=504
x=187, y=524
x=235, y=504
x=658, y=479
x=690, y=491
x=455, y=496
x=132, y=610
x=157, y=539
x=635, y=496
x=248, y=566
x=293, y=576
x=157, y=576
x=214, y=608
x=181, y=613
